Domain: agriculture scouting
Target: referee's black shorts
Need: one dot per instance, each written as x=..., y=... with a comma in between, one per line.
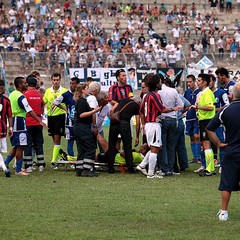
x=56, y=125
x=202, y=128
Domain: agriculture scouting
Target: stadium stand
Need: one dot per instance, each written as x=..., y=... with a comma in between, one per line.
x=52, y=36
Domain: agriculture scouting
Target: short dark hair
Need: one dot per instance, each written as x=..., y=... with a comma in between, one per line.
x=152, y=81
x=205, y=77
x=169, y=83
x=56, y=75
x=192, y=77
x=222, y=71
x=18, y=81
x=89, y=79
x=118, y=72
x=76, y=79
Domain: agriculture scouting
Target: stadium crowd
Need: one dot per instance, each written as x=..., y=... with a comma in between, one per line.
x=72, y=34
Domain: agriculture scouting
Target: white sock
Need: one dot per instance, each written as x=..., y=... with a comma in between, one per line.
x=223, y=211
x=145, y=161
x=2, y=164
x=152, y=163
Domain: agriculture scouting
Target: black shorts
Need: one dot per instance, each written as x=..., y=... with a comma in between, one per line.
x=56, y=125
x=202, y=128
x=230, y=177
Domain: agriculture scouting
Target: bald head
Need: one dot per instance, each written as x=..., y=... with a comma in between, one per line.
x=236, y=91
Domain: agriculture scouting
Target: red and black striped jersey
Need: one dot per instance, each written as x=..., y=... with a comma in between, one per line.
x=152, y=107
x=5, y=113
x=116, y=93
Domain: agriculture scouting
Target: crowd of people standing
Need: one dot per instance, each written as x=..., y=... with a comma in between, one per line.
x=158, y=111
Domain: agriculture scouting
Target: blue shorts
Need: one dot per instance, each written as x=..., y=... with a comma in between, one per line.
x=192, y=127
x=230, y=177
x=19, y=139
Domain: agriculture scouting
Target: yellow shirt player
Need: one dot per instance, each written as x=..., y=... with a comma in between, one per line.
x=205, y=107
x=56, y=115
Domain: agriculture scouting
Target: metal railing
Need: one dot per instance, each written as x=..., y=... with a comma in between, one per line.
x=14, y=63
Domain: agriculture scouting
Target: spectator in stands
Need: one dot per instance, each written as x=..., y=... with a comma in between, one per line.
x=205, y=44
x=212, y=43
x=163, y=9
x=2, y=7
x=26, y=38
x=11, y=87
x=221, y=47
x=198, y=25
x=169, y=18
x=131, y=27
x=2, y=41
x=221, y=6
x=237, y=36
x=67, y=7
x=228, y=40
x=37, y=6
x=186, y=26
x=113, y=9
x=13, y=16
x=22, y=56
x=176, y=32
x=100, y=9
x=127, y=9
x=213, y=5
x=134, y=9
x=10, y=42
x=229, y=6
x=43, y=9
x=155, y=12
x=234, y=49
x=193, y=10
x=153, y=34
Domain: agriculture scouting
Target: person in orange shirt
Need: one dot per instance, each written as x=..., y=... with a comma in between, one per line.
x=69, y=21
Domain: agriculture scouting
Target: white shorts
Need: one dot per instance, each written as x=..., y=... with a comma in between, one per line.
x=154, y=134
x=3, y=145
x=233, y=55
